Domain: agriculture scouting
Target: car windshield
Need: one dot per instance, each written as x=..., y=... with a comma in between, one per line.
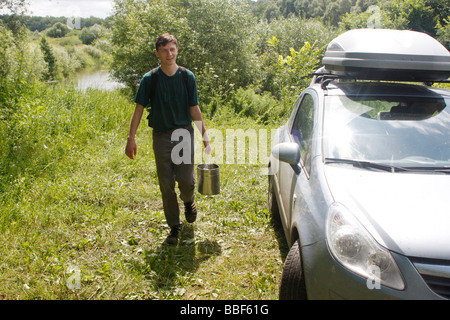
x=404, y=131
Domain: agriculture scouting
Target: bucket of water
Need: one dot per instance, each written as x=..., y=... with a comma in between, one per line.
x=208, y=177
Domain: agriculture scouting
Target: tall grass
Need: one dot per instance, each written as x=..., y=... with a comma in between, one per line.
x=79, y=220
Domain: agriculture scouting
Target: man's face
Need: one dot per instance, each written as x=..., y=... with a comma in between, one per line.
x=168, y=53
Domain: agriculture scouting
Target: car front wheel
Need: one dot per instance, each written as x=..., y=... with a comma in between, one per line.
x=292, y=285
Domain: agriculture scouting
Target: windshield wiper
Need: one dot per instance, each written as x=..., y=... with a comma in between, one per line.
x=445, y=169
x=366, y=164
x=387, y=167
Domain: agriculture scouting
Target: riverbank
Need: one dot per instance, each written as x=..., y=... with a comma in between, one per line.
x=67, y=56
x=96, y=78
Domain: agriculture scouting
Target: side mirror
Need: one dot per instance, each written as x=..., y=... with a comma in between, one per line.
x=288, y=152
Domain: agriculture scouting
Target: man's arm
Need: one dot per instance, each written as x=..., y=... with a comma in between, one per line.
x=131, y=148
x=196, y=115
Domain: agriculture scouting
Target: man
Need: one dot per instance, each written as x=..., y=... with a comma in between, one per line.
x=173, y=107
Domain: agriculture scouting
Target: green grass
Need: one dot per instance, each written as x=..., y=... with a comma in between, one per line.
x=71, y=200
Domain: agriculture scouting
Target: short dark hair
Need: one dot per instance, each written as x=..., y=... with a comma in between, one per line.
x=165, y=39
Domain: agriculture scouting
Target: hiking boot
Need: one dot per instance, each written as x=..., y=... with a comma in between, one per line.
x=190, y=211
x=172, y=238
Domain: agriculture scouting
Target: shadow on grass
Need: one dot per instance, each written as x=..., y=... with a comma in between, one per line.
x=277, y=226
x=168, y=264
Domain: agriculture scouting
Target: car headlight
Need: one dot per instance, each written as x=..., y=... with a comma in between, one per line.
x=353, y=246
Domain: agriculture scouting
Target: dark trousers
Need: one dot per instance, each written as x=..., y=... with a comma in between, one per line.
x=175, y=163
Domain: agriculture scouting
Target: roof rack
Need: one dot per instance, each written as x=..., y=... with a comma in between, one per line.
x=324, y=77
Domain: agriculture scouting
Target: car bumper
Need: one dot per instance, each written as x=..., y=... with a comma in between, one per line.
x=327, y=279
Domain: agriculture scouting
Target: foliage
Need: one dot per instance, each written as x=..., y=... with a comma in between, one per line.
x=293, y=32
x=441, y=9
x=330, y=11
x=21, y=65
x=395, y=14
x=410, y=15
x=6, y=44
x=13, y=6
x=89, y=34
x=71, y=200
x=36, y=23
x=289, y=74
x=214, y=32
x=262, y=107
x=58, y=30
x=135, y=28
x=443, y=33
x=49, y=59
x=298, y=65
x=221, y=33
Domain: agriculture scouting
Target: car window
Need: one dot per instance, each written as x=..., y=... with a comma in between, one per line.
x=399, y=130
x=302, y=129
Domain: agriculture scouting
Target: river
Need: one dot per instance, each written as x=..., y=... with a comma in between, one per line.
x=97, y=79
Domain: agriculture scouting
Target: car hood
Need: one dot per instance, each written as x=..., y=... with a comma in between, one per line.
x=408, y=213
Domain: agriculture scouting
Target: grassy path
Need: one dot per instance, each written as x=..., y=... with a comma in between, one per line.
x=79, y=220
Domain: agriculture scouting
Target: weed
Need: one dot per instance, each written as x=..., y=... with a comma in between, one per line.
x=71, y=200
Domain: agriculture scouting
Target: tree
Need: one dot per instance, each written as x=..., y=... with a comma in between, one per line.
x=332, y=15
x=17, y=7
x=291, y=72
x=357, y=20
x=6, y=45
x=287, y=8
x=393, y=14
x=89, y=34
x=410, y=15
x=441, y=9
x=443, y=33
x=49, y=59
x=58, y=30
x=304, y=8
x=214, y=37
x=221, y=34
x=318, y=7
x=136, y=26
x=363, y=5
x=272, y=12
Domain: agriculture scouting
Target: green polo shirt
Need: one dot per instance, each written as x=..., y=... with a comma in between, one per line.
x=170, y=106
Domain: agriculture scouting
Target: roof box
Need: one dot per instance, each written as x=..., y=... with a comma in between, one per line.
x=392, y=55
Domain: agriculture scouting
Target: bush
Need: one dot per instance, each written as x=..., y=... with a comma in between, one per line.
x=293, y=33
x=70, y=61
x=93, y=52
x=216, y=32
x=52, y=124
x=58, y=30
x=443, y=33
x=89, y=35
x=21, y=65
x=264, y=107
x=49, y=58
x=70, y=41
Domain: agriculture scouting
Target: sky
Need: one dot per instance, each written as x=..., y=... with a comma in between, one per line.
x=70, y=8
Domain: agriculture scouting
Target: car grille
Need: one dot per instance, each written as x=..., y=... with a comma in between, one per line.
x=436, y=274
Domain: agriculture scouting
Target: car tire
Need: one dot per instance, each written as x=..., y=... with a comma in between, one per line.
x=292, y=285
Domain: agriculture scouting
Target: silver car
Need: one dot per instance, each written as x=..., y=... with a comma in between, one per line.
x=360, y=178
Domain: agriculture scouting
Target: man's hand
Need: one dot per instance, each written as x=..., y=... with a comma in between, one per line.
x=131, y=148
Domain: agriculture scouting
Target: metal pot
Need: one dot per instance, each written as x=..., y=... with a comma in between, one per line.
x=208, y=177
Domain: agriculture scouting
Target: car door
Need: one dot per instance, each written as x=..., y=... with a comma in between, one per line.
x=300, y=132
